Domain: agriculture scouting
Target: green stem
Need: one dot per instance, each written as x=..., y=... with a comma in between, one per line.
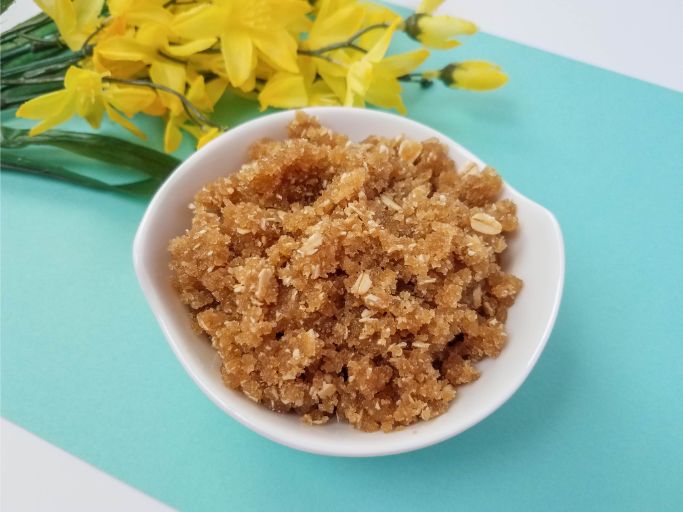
x=176, y=2
x=193, y=112
x=417, y=78
x=11, y=162
x=95, y=32
x=29, y=25
x=98, y=147
x=51, y=40
x=31, y=81
x=16, y=51
x=43, y=66
x=349, y=43
x=171, y=58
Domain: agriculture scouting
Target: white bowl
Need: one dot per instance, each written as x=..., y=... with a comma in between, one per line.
x=535, y=254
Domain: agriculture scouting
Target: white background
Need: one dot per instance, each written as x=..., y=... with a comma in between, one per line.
x=638, y=38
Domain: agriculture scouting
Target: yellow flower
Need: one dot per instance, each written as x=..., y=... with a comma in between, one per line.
x=139, y=12
x=148, y=45
x=204, y=95
x=375, y=80
x=284, y=90
x=249, y=30
x=436, y=31
x=476, y=75
x=76, y=19
x=207, y=136
x=85, y=94
x=172, y=134
x=289, y=90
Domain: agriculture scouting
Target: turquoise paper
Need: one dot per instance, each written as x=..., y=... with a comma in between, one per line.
x=597, y=426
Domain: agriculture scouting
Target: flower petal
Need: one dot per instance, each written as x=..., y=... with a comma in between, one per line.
x=338, y=26
x=87, y=12
x=172, y=135
x=215, y=89
x=376, y=53
x=385, y=91
x=171, y=75
x=130, y=99
x=283, y=90
x=53, y=108
x=204, y=19
x=403, y=63
x=44, y=106
x=125, y=48
x=277, y=48
x=319, y=93
x=91, y=108
x=357, y=81
x=190, y=48
x=207, y=136
x=76, y=78
x=118, y=118
x=237, y=50
x=477, y=75
x=64, y=16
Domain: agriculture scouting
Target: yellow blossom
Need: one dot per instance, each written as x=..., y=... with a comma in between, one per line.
x=207, y=136
x=76, y=19
x=172, y=134
x=436, y=31
x=148, y=45
x=289, y=90
x=204, y=95
x=84, y=94
x=138, y=12
x=248, y=30
x=476, y=75
x=375, y=80
x=284, y=90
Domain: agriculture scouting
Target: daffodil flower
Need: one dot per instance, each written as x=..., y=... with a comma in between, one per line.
x=476, y=75
x=139, y=12
x=149, y=45
x=289, y=90
x=84, y=94
x=173, y=132
x=375, y=80
x=436, y=31
x=76, y=20
x=204, y=95
x=248, y=30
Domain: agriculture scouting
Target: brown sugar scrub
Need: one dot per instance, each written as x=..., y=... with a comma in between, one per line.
x=356, y=280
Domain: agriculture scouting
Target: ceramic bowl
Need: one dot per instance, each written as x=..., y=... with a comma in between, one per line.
x=535, y=254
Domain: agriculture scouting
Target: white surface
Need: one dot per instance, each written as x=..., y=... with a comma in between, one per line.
x=535, y=254
x=37, y=476
x=638, y=38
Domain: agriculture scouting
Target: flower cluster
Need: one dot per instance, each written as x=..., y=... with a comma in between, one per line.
x=176, y=58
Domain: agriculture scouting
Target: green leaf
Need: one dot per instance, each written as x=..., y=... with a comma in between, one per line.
x=4, y=4
x=97, y=147
x=30, y=24
x=18, y=163
x=13, y=96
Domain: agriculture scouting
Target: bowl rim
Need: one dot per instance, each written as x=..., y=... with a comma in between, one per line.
x=414, y=443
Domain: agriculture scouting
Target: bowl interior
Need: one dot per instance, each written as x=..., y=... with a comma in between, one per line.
x=535, y=254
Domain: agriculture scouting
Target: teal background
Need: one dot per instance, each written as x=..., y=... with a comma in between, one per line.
x=598, y=424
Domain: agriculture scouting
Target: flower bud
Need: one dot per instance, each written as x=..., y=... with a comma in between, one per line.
x=476, y=75
x=436, y=31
